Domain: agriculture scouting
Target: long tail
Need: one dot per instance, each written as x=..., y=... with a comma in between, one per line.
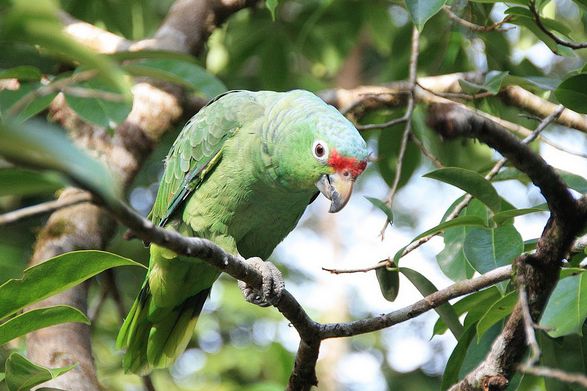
x=156, y=341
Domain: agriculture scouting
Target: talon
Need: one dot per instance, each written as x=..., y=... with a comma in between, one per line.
x=272, y=286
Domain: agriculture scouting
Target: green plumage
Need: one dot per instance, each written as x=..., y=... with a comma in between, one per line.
x=240, y=173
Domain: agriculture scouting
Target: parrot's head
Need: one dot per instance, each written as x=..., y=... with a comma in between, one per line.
x=318, y=148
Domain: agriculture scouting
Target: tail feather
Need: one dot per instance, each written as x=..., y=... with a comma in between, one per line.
x=157, y=343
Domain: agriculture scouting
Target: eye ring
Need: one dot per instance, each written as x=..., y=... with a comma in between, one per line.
x=320, y=150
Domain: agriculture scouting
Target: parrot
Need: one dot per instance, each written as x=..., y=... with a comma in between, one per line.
x=240, y=174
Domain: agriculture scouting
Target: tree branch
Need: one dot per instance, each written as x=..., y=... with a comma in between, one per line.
x=538, y=272
x=472, y=26
x=45, y=207
x=541, y=26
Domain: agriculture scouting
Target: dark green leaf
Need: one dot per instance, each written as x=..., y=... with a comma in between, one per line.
x=566, y=310
x=21, y=182
x=382, y=206
x=422, y=10
x=38, y=319
x=104, y=108
x=184, y=73
x=8, y=98
x=456, y=359
x=56, y=275
x=471, y=182
x=388, y=148
x=452, y=259
x=506, y=215
x=40, y=145
x=24, y=72
x=499, y=310
x=388, y=282
x=445, y=311
x=572, y=93
x=456, y=222
x=487, y=249
x=474, y=304
x=21, y=374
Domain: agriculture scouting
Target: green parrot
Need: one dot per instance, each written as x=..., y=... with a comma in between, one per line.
x=240, y=174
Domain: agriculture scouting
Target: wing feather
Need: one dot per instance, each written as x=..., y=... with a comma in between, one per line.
x=198, y=148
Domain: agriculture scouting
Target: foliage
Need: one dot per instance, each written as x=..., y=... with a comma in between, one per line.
x=294, y=44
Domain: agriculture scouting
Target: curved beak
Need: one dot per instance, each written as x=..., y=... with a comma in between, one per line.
x=336, y=188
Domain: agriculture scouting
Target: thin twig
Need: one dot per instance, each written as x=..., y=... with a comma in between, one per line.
x=565, y=377
x=54, y=86
x=561, y=148
x=437, y=163
x=529, y=327
x=381, y=264
x=383, y=125
x=91, y=93
x=408, y=128
x=541, y=26
x=43, y=208
x=458, y=95
x=475, y=27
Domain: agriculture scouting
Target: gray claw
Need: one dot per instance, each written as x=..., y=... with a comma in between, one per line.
x=272, y=287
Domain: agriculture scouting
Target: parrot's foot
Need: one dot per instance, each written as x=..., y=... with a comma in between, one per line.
x=272, y=287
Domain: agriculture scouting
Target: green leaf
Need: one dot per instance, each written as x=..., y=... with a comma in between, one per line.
x=566, y=310
x=40, y=145
x=271, y=6
x=2, y=377
x=22, y=375
x=499, y=310
x=103, y=111
x=185, y=73
x=37, y=23
x=445, y=311
x=471, y=182
x=503, y=217
x=487, y=249
x=39, y=318
x=56, y=275
x=456, y=222
x=456, y=359
x=422, y=10
x=22, y=182
x=474, y=304
x=23, y=72
x=388, y=279
x=572, y=93
x=382, y=206
x=492, y=83
x=574, y=181
x=8, y=98
x=494, y=80
x=452, y=259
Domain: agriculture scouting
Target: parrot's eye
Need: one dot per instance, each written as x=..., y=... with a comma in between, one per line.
x=320, y=150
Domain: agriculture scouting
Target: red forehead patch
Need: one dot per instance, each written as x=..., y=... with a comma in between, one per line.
x=342, y=163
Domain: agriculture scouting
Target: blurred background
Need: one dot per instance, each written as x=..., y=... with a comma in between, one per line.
x=315, y=45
